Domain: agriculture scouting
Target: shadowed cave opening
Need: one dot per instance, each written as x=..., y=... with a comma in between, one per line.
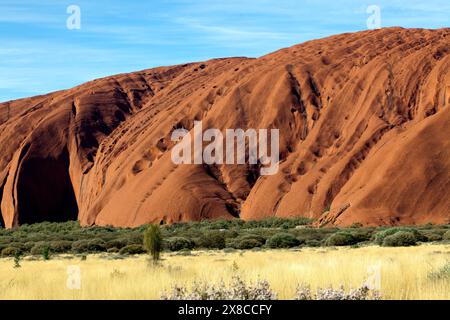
x=45, y=191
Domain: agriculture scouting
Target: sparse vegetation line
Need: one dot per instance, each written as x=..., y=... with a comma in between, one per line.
x=47, y=239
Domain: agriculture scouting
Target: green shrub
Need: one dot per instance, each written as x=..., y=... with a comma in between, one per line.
x=286, y=226
x=234, y=233
x=356, y=225
x=46, y=253
x=118, y=243
x=133, y=238
x=39, y=248
x=446, y=235
x=274, y=222
x=362, y=235
x=400, y=239
x=248, y=241
x=217, y=224
x=441, y=274
x=26, y=247
x=17, y=258
x=132, y=249
x=341, y=238
x=61, y=246
x=248, y=244
x=282, y=240
x=380, y=236
x=312, y=243
x=432, y=235
x=179, y=243
x=10, y=252
x=213, y=239
x=86, y=245
x=313, y=234
x=153, y=241
x=19, y=245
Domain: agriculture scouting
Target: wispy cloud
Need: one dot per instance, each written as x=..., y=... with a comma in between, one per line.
x=233, y=34
x=39, y=54
x=21, y=14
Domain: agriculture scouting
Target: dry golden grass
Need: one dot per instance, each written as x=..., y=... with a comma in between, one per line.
x=404, y=272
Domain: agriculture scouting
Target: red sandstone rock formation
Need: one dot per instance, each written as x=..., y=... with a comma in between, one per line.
x=364, y=123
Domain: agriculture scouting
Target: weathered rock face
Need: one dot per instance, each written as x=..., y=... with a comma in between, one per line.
x=364, y=124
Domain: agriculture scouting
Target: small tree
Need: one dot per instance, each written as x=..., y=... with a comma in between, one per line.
x=17, y=258
x=46, y=253
x=153, y=241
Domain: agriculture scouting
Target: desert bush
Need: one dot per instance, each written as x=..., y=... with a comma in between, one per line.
x=118, y=243
x=187, y=233
x=306, y=234
x=46, y=253
x=19, y=245
x=282, y=240
x=132, y=249
x=17, y=258
x=379, y=236
x=304, y=292
x=341, y=238
x=261, y=233
x=261, y=290
x=400, y=239
x=219, y=224
x=432, y=235
x=133, y=238
x=213, y=239
x=441, y=274
x=179, y=243
x=206, y=234
x=86, y=245
x=313, y=243
x=274, y=222
x=39, y=248
x=61, y=246
x=356, y=225
x=247, y=241
x=27, y=246
x=153, y=241
x=361, y=235
x=37, y=237
x=10, y=252
x=237, y=290
x=446, y=235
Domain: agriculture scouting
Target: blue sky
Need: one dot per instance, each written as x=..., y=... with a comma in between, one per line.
x=39, y=54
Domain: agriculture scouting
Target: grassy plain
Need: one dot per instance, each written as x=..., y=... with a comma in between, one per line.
x=406, y=272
